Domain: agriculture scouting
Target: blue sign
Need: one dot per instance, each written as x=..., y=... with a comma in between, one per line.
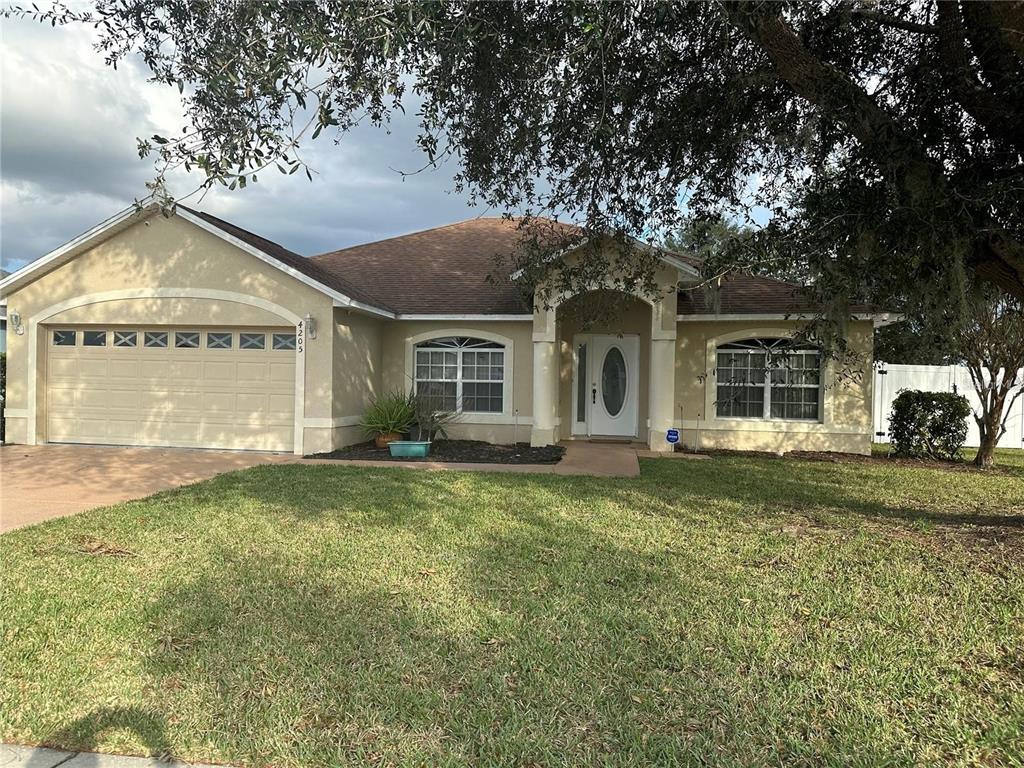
x=672, y=436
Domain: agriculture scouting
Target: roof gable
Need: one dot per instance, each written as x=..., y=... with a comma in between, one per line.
x=288, y=261
x=267, y=251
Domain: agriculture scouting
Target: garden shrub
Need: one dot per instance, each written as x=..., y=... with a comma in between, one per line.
x=928, y=424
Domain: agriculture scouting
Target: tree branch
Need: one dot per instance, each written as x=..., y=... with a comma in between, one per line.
x=895, y=22
x=998, y=117
x=999, y=256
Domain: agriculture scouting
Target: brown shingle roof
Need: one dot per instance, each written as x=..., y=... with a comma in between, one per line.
x=441, y=270
x=445, y=271
x=750, y=295
x=300, y=263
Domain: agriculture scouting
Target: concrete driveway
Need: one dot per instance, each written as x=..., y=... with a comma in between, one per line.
x=41, y=482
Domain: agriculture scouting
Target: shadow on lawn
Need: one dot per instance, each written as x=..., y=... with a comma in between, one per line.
x=85, y=733
x=539, y=646
x=719, y=492
x=550, y=639
x=290, y=657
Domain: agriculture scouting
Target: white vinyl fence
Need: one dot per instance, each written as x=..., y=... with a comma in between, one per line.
x=890, y=379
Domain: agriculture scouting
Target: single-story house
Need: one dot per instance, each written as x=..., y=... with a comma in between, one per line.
x=185, y=330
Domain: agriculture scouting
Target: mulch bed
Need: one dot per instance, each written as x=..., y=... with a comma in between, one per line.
x=456, y=451
x=836, y=457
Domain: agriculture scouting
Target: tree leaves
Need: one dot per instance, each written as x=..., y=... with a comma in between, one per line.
x=884, y=179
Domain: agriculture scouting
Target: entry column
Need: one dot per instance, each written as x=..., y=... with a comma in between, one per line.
x=545, y=378
x=662, y=390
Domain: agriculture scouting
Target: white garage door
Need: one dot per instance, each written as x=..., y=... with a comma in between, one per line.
x=187, y=387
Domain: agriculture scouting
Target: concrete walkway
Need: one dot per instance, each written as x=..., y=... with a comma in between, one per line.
x=43, y=482
x=13, y=756
x=581, y=458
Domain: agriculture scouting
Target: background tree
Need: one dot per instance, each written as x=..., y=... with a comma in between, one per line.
x=886, y=137
x=991, y=344
x=914, y=342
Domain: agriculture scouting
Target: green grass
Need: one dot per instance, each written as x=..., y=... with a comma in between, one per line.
x=734, y=611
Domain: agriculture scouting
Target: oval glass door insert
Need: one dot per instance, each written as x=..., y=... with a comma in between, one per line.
x=613, y=381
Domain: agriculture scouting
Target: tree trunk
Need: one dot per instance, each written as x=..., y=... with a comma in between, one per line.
x=990, y=427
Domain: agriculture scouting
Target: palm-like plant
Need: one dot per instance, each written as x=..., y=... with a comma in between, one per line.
x=389, y=416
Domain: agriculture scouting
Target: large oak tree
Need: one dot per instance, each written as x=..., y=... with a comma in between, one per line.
x=886, y=137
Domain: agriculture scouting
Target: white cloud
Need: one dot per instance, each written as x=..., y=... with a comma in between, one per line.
x=68, y=128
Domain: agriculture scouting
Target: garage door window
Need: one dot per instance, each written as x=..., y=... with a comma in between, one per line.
x=126, y=338
x=64, y=338
x=186, y=340
x=218, y=340
x=252, y=341
x=155, y=339
x=94, y=339
x=283, y=341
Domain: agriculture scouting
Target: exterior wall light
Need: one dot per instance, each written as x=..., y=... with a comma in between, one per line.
x=14, y=320
x=310, y=325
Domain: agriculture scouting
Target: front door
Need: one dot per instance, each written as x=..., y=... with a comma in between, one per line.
x=606, y=386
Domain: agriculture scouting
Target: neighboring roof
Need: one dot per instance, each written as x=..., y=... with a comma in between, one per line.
x=750, y=295
x=439, y=271
x=291, y=259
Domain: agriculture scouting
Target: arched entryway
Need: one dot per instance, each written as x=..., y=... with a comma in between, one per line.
x=605, y=375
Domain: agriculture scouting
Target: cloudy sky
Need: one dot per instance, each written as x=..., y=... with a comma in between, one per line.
x=68, y=160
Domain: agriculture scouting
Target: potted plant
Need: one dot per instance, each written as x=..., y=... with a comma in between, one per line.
x=430, y=422
x=389, y=417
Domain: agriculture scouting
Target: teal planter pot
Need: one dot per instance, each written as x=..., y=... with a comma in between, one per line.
x=409, y=448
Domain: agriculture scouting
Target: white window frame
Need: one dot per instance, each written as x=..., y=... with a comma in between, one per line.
x=55, y=335
x=147, y=345
x=459, y=380
x=766, y=348
x=85, y=336
x=186, y=336
x=507, y=414
x=231, y=340
x=120, y=338
x=291, y=335
x=245, y=346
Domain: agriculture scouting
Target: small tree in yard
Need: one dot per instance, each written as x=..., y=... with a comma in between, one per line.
x=991, y=343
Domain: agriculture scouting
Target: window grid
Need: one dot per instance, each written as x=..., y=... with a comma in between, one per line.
x=218, y=340
x=767, y=379
x=126, y=338
x=65, y=338
x=462, y=374
x=252, y=340
x=94, y=338
x=282, y=341
x=186, y=340
x=155, y=339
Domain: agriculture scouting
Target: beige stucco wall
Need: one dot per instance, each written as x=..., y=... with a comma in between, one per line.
x=355, y=356
x=398, y=338
x=357, y=372
x=164, y=255
x=845, y=423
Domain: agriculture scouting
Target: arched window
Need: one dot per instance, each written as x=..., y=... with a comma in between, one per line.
x=461, y=374
x=768, y=379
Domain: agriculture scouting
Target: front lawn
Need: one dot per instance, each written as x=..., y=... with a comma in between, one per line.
x=731, y=611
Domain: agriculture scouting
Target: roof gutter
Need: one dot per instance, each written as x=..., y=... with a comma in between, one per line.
x=879, y=319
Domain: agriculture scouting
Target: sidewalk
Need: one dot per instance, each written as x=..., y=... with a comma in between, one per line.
x=13, y=756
